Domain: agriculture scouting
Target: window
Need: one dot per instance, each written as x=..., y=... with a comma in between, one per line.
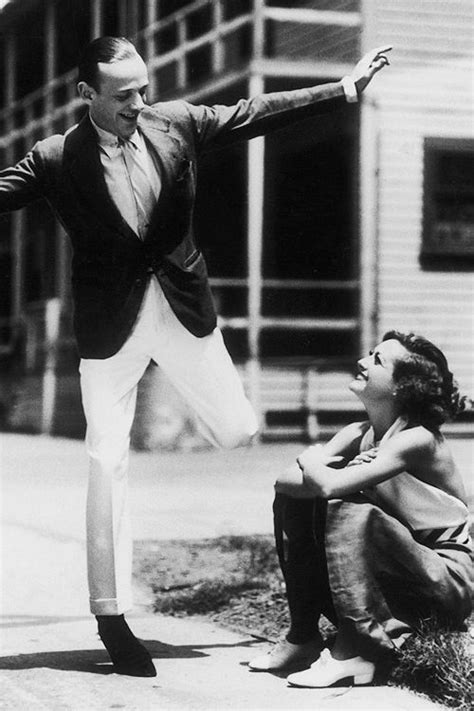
x=448, y=210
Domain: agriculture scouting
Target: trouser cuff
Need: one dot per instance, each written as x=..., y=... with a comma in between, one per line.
x=109, y=606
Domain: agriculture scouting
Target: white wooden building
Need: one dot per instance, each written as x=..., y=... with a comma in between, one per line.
x=378, y=202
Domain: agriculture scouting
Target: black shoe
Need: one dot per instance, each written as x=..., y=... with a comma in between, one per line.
x=128, y=655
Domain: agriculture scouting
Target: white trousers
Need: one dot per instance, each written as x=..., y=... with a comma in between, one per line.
x=202, y=371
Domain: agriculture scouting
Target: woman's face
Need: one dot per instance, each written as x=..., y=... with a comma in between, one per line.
x=374, y=379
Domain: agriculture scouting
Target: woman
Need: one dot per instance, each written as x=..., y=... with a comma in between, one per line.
x=376, y=523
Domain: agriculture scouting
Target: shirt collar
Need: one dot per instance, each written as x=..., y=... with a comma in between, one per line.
x=109, y=142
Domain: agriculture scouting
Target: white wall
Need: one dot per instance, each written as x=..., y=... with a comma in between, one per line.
x=427, y=91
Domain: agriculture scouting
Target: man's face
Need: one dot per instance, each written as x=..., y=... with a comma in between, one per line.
x=120, y=97
x=374, y=379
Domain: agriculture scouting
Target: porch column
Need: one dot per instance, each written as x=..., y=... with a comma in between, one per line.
x=255, y=170
x=49, y=61
x=122, y=17
x=369, y=199
x=151, y=16
x=255, y=179
x=97, y=18
x=369, y=225
x=10, y=84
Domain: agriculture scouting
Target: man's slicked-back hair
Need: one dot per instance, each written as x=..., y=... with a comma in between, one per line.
x=105, y=50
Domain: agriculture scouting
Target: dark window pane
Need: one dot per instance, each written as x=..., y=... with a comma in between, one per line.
x=166, y=39
x=284, y=302
x=238, y=47
x=40, y=250
x=198, y=64
x=199, y=22
x=308, y=344
x=295, y=40
x=448, y=214
x=234, y=8
x=111, y=17
x=221, y=205
x=310, y=229
x=73, y=23
x=167, y=79
x=168, y=7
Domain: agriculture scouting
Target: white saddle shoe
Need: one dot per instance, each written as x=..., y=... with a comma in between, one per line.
x=286, y=655
x=326, y=671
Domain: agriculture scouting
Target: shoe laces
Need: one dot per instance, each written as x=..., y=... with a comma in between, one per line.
x=278, y=647
x=325, y=657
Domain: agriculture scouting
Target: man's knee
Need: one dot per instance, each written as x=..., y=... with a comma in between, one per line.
x=233, y=434
x=108, y=456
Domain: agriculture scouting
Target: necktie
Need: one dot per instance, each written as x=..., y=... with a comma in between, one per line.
x=145, y=199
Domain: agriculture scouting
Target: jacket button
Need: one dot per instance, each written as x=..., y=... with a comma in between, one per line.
x=138, y=282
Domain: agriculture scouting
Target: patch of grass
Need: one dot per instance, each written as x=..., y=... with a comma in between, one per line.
x=202, y=598
x=236, y=581
x=439, y=663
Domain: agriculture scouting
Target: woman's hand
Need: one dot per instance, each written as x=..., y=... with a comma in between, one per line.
x=316, y=470
x=291, y=483
x=317, y=452
x=364, y=457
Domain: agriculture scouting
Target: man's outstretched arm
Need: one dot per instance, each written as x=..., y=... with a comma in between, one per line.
x=220, y=125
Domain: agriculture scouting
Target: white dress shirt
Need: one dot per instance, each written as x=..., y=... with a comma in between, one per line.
x=131, y=176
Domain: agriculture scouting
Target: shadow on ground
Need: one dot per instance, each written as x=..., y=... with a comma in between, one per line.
x=96, y=661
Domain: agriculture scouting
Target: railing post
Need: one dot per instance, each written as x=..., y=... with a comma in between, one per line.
x=218, y=47
x=259, y=29
x=182, y=57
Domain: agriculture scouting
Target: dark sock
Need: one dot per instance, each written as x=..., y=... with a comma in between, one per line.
x=304, y=635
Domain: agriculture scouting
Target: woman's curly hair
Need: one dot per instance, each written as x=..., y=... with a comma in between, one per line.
x=424, y=386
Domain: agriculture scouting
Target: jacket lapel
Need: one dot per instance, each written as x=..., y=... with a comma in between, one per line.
x=82, y=158
x=166, y=150
x=166, y=147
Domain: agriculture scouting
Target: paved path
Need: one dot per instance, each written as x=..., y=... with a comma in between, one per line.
x=50, y=656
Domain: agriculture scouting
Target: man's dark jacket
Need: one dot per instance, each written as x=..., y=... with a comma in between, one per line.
x=111, y=265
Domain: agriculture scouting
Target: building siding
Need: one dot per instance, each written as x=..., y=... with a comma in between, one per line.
x=428, y=91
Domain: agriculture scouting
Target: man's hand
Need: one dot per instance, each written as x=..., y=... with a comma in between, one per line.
x=368, y=66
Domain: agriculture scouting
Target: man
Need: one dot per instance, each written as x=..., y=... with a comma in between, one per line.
x=122, y=182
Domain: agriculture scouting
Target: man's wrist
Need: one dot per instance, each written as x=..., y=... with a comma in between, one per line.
x=350, y=89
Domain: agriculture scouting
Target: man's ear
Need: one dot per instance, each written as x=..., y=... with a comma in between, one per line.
x=85, y=91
